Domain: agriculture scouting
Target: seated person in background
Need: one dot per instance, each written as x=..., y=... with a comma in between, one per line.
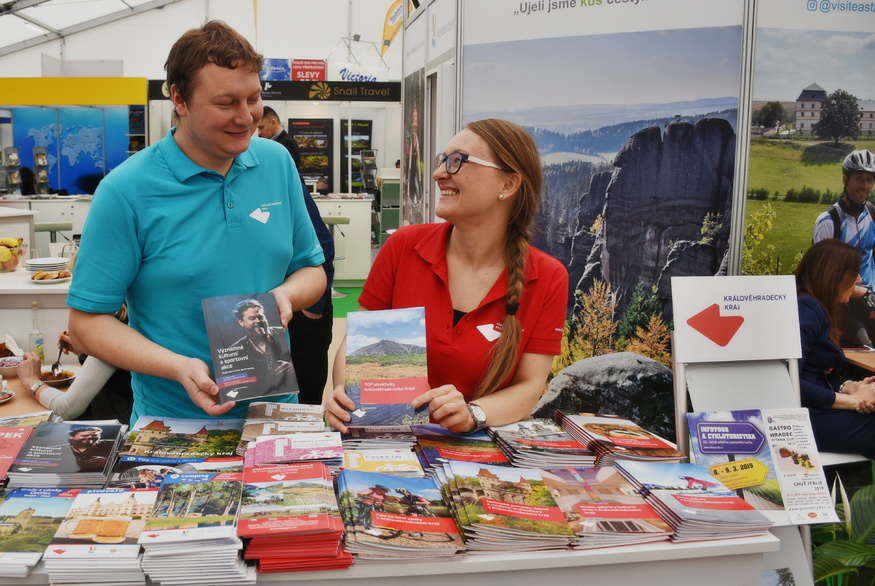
x=841, y=409
x=28, y=181
x=99, y=391
x=495, y=306
x=322, y=186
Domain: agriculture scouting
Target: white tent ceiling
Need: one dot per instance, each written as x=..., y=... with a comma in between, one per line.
x=27, y=23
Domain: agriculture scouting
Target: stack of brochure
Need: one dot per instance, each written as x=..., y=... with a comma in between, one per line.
x=392, y=518
x=263, y=419
x=540, y=443
x=76, y=454
x=436, y=450
x=503, y=508
x=98, y=540
x=29, y=419
x=32, y=513
x=12, y=439
x=290, y=519
x=191, y=537
x=296, y=447
x=613, y=438
x=397, y=437
x=157, y=447
x=695, y=504
x=384, y=461
x=603, y=508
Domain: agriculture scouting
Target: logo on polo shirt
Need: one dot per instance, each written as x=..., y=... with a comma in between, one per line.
x=490, y=331
x=260, y=215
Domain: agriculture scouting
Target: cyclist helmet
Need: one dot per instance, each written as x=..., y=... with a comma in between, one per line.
x=862, y=161
x=381, y=487
x=402, y=491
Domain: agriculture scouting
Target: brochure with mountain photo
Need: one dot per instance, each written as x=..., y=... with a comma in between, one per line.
x=386, y=366
x=249, y=348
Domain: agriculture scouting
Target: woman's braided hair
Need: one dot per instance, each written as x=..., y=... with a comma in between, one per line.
x=514, y=150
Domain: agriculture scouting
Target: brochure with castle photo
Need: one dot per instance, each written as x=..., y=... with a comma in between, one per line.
x=503, y=508
x=176, y=439
x=249, y=348
x=386, y=366
x=99, y=536
x=603, y=508
x=28, y=518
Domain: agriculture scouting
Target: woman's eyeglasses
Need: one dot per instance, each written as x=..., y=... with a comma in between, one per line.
x=453, y=162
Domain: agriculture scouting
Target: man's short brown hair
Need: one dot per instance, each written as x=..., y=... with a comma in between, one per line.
x=214, y=42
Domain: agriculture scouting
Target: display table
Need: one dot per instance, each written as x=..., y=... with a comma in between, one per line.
x=728, y=562
x=23, y=402
x=17, y=291
x=865, y=360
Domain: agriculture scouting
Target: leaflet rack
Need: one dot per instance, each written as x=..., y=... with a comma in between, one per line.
x=41, y=170
x=12, y=172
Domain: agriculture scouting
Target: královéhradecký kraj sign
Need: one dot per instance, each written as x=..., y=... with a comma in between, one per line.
x=721, y=319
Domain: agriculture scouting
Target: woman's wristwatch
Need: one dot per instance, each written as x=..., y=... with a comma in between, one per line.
x=35, y=386
x=478, y=415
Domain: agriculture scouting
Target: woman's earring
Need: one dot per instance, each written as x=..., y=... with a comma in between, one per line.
x=500, y=196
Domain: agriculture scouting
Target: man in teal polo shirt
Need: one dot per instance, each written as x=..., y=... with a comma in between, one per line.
x=203, y=213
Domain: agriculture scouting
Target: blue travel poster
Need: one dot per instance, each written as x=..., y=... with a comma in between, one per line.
x=115, y=130
x=81, y=148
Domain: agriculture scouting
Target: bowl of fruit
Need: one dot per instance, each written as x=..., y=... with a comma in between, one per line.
x=12, y=253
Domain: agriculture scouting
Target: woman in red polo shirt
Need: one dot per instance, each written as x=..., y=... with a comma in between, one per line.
x=495, y=306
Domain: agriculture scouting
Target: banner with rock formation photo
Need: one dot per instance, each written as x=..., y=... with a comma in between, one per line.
x=637, y=134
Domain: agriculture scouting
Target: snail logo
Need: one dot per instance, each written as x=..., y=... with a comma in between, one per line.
x=320, y=90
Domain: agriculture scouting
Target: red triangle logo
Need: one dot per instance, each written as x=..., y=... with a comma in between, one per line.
x=717, y=328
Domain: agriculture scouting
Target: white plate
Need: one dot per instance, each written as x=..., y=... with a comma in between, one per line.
x=7, y=396
x=74, y=368
x=49, y=260
x=50, y=281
